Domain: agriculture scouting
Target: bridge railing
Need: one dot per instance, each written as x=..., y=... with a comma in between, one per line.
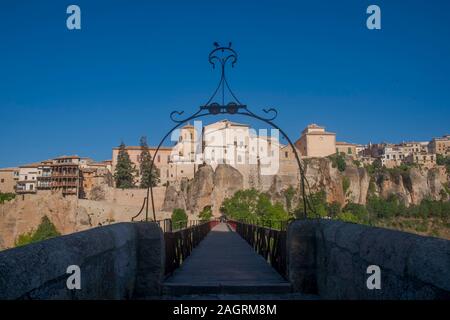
x=182, y=239
x=268, y=238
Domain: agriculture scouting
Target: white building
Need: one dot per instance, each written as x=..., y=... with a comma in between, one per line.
x=28, y=176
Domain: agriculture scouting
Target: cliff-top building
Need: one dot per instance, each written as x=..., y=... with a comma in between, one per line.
x=28, y=176
x=440, y=145
x=65, y=173
x=316, y=142
x=8, y=179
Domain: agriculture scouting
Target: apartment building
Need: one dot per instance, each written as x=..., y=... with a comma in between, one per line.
x=44, y=177
x=92, y=174
x=440, y=145
x=393, y=156
x=28, y=176
x=349, y=149
x=422, y=158
x=65, y=175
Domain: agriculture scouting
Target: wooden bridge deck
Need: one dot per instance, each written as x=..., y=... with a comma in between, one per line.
x=224, y=263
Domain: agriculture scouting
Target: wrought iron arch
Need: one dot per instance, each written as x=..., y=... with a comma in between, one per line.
x=223, y=56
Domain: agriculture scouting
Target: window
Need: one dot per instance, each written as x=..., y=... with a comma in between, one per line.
x=349, y=151
x=159, y=158
x=286, y=154
x=2, y=180
x=239, y=159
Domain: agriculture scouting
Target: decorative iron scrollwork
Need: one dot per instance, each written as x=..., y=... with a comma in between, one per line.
x=223, y=56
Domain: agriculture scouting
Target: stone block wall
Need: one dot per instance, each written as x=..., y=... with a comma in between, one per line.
x=331, y=258
x=120, y=261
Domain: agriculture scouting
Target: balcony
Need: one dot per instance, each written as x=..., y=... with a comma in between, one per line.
x=64, y=184
x=65, y=175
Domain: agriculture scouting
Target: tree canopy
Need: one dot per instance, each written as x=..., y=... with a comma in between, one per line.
x=124, y=172
x=149, y=175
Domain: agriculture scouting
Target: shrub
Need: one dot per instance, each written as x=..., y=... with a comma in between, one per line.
x=348, y=217
x=45, y=230
x=179, y=218
x=338, y=161
x=254, y=206
x=359, y=211
x=6, y=197
x=206, y=214
x=385, y=208
x=334, y=209
x=289, y=195
x=345, y=184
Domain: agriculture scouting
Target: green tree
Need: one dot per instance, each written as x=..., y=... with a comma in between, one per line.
x=289, y=194
x=206, y=214
x=338, y=161
x=385, y=208
x=6, y=197
x=124, y=173
x=179, y=218
x=348, y=217
x=255, y=207
x=45, y=230
x=319, y=205
x=149, y=176
x=242, y=206
x=345, y=184
x=359, y=211
x=334, y=209
x=276, y=213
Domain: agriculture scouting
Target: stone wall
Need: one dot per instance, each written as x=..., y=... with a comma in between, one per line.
x=135, y=197
x=331, y=258
x=120, y=261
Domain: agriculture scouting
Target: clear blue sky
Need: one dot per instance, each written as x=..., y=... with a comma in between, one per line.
x=133, y=62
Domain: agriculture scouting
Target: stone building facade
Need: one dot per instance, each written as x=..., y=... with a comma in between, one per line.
x=8, y=179
x=316, y=142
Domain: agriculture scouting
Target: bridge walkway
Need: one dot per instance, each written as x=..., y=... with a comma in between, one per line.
x=224, y=263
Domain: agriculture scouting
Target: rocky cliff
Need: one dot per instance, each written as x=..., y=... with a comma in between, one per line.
x=210, y=187
x=355, y=182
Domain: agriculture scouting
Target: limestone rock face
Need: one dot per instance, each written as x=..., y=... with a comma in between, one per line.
x=173, y=199
x=412, y=187
x=227, y=180
x=359, y=181
x=200, y=189
x=210, y=188
x=22, y=215
x=321, y=175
